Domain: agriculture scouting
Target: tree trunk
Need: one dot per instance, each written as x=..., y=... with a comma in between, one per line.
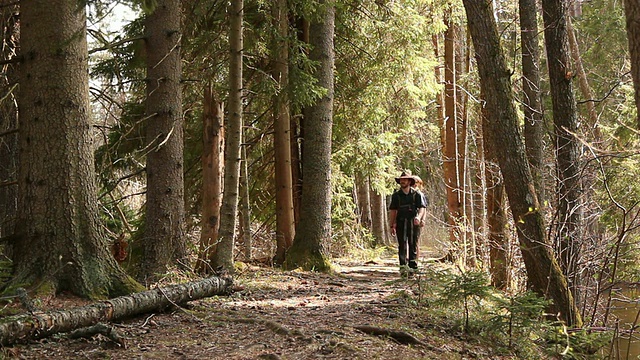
x=453, y=172
x=532, y=104
x=463, y=61
x=497, y=224
x=583, y=83
x=164, y=244
x=8, y=122
x=245, y=208
x=388, y=239
x=439, y=79
x=496, y=217
x=41, y=325
x=502, y=130
x=212, y=159
x=314, y=230
x=297, y=134
x=59, y=244
x=364, y=201
x=285, y=221
x=480, y=198
x=565, y=119
x=378, y=222
x=226, y=242
x=632, y=15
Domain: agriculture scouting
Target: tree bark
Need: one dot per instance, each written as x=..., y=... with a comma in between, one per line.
x=632, y=17
x=163, y=243
x=498, y=239
x=583, y=83
x=497, y=224
x=9, y=120
x=59, y=243
x=378, y=221
x=285, y=221
x=532, y=104
x=565, y=119
x=244, y=207
x=440, y=110
x=364, y=201
x=212, y=160
x=502, y=130
x=314, y=230
x=226, y=242
x=452, y=143
x=297, y=134
x=41, y=325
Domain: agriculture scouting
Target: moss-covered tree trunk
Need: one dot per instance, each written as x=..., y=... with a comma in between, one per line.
x=314, y=229
x=543, y=271
x=59, y=245
x=568, y=147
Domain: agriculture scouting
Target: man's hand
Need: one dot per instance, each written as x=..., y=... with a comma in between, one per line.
x=393, y=230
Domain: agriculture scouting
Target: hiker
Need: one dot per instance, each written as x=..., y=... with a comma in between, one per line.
x=406, y=212
x=418, y=188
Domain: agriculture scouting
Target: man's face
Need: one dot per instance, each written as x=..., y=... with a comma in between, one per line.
x=405, y=183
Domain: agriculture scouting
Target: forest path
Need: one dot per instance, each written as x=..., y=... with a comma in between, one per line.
x=282, y=315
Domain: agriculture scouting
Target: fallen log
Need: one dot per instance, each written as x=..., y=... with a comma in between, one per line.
x=40, y=325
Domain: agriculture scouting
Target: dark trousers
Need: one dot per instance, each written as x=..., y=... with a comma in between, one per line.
x=407, y=235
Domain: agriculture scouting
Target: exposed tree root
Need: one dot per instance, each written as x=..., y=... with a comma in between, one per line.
x=399, y=336
x=107, y=331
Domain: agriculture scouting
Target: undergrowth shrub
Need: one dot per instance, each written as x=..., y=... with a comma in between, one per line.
x=512, y=324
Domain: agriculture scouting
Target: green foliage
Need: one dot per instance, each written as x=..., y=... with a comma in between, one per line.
x=122, y=63
x=112, y=213
x=516, y=318
x=385, y=90
x=511, y=324
x=464, y=288
x=602, y=37
x=575, y=345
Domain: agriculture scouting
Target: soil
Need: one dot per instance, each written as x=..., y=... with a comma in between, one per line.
x=280, y=315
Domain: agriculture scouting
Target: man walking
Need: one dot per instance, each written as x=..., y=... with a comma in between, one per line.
x=407, y=210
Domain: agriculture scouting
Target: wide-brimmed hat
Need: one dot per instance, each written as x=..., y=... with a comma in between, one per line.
x=406, y=174
x=417, y=179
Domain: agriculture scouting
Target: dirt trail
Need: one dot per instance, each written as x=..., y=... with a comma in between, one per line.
x=278, y=315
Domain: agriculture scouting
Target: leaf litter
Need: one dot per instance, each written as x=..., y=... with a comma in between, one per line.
x=360, y=312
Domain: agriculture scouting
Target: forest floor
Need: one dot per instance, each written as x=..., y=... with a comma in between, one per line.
x=281, y=315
